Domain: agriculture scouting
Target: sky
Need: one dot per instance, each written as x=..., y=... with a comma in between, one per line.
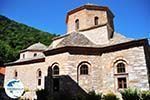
x=132, y=17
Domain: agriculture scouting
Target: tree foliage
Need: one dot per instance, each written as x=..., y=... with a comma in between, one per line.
x=15, y=36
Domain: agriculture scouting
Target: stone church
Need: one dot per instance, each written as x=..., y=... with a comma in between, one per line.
x=90, y=56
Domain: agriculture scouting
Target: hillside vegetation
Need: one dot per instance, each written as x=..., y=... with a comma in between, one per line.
x=15, y=36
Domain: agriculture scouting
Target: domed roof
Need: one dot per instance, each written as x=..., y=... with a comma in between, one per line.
x=37, y=46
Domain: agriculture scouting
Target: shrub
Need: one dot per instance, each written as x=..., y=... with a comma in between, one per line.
x=110, y=96
x=130, y=94
x=42, y=94
x=93, y=96
x=145, y=95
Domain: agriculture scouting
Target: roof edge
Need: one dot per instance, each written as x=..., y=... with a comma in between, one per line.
x=25, y=62
x=96, y=50
x=89, y=7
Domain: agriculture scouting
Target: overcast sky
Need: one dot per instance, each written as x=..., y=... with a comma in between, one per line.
x=132, y=17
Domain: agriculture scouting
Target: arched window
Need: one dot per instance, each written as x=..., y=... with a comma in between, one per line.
x=121, y=68
x=55, y=70
x=96, y=20
x=84, y=69
x=39, y=77
x=77, y=24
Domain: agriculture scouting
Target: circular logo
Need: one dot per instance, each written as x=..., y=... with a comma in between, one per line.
x=14, y=88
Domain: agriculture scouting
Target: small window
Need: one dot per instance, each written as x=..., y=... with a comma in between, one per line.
x=96, y=20
x=16, y=74
x=84, y=69
x=35, y=54
x=77, y=24
x=23, y=56
x=122, y=83
x=39, y=77
x=56, y=84
x=120, y=68
x=55, y=70
x=40, y=74
x=39, y=82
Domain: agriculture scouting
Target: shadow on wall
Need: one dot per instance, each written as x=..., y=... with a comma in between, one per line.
x=147, y=56
x=61, y=87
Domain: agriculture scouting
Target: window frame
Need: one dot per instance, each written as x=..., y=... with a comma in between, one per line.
x=84, y=69
x=122, y=82
x=121, y=68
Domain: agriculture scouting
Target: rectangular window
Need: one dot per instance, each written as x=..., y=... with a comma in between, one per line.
x=56, y=84
x=122, y=83
x=39, y=82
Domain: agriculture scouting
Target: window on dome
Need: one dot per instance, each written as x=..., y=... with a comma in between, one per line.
x=96, y=20
x=77, y=24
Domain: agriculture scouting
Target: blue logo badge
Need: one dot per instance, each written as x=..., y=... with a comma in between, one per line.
x=14, y=88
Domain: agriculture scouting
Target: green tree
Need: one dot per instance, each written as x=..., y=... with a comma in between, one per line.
x=15, y=36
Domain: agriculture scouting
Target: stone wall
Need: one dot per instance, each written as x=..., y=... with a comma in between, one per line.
x=28, y=76
x=101, y=77
x=98, y=35
x=86, y=19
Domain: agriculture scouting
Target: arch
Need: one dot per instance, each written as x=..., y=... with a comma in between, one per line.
x=120, y=66
x=54, y=69
x=84, y=62
x=84, y=65
x=77, y=24
x=96, y=19
x=117, y=60
x=86, y=69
